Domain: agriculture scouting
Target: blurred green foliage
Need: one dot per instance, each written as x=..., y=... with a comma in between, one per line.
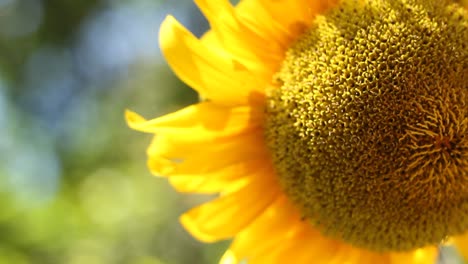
x=74, y=187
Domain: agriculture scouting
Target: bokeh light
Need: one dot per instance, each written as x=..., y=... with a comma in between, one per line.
x=74, y=187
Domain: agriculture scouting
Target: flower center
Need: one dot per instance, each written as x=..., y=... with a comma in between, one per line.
x=368, y=127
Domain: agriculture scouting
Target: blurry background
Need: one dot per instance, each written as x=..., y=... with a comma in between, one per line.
x=74, y=187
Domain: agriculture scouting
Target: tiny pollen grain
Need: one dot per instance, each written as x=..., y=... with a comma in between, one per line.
x=368, y=125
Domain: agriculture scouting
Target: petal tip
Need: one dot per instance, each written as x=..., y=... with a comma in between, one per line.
x=190, y=224
x=168, y=32
x=228, y=258
x=133, y=119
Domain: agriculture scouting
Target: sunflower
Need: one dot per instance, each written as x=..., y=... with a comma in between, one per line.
x=332, y=131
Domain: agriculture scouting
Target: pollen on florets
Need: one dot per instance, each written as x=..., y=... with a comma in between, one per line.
x=368, y=127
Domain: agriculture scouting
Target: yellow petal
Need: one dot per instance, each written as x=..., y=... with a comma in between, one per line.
x=269, y=19
x=237, y=38
x=160, y=166
x=228, y=135
x=292, y=240
x=461, y=242
x=259, y=32
x=216, y=180
x=186, y=158
x=292, y=249
x=204, y=119
x=229, y=258
x=239, y=148
x=276, y=222
x=228, y=215
x=419, y=256
x=304, y=10
x=308, y=245
x=214, y=74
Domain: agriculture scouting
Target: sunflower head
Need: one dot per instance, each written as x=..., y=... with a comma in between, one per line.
x=368, y=129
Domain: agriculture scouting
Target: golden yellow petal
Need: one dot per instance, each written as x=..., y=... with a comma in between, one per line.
x=191, y=184
x=216, y=180
x=308, y=245
x=461, y=242
x=186, y=158
x=326, y=253
x=160, y=166
x=229, y=258
x=266, y=16
x=294, y=248
x=419, y=256
x=200, y=119
x=228, y=215
x=242, y=147
x=276, y=222
x=216, y=75
x=292, y=240
x=239, y=39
